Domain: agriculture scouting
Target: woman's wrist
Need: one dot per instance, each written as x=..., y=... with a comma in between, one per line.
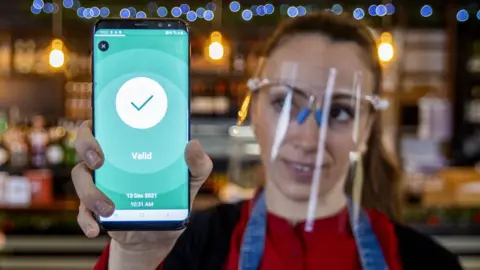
x=122, y=258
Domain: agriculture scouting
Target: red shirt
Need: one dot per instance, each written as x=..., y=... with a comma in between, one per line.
x=331, y=245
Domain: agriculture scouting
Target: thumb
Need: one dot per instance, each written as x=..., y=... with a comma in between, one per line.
x=199, y=164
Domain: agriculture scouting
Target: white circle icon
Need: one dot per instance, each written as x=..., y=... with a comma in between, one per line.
x=141, y=103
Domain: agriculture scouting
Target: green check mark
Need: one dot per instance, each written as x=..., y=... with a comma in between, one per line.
x=143, y=105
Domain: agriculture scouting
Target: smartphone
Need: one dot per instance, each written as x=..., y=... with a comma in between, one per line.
x=141, y=119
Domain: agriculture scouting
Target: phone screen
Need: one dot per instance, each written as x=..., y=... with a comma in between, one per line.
x=141, y=121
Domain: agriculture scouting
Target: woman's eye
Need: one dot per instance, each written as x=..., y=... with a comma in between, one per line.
x=278, y=103
x=341, y=114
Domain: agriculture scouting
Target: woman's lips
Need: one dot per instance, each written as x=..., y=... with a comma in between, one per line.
x=301, y=171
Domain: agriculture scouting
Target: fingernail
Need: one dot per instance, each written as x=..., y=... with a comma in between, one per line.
x=92, y=158
x=104, y=209
x=89, y=230
x=199, y=152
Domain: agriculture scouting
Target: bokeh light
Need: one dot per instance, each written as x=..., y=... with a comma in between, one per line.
x=208, y=15
x=211, y=6
x=200, y=12
x=191, y=16
x=381, y=10
x=176, y=12
x=358, y=13
x=104, y=12
x=462, y=15
x=269, y=9
x=124, y=13
x=302, y=11
x=141, y=15
x=162, y=11
x=235, y=6
x=68, y=3
x=292, y=12
x=426, y=11
x=247, y=15
x=184, y=8
x=337, y=9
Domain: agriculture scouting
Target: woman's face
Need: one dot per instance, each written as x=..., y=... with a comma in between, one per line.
x=304, y=60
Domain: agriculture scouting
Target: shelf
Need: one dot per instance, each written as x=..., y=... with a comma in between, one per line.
x=442, y=230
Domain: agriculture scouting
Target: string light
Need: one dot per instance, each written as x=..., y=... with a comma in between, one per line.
x=162, y=11
x=292, y=12
x=176, y=12
x=358, y=13
x=48, y=8
x=104, y=12
x=247, y=14
x=184, y=8
x=372, y=10
x=68, y=3
x=38, y=4
x=95, y=11
x=462, y=15
x=133, y=11
x=235, y=6
x=191, y=16
x=211, y=6
x=124, y=13
x=35, y=10
x=426, y=11
x=381, y=10
x=88, y=13
x=80, y=11
x=390, y=9
x=269, y=9
x=208, y=15
x=260, y=10
x=302, y=11
x=207, y=12
x=337, y=9
x=141, y=15
x=253, y=9
x=200, y=12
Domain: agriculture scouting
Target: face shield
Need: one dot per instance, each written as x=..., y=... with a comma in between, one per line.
x=309, y=128
x=311, y=125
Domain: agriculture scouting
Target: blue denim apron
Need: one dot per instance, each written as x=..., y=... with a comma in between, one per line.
x=251, y=252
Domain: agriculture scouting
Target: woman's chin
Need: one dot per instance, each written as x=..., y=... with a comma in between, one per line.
x=296, y=192
x=299, y=190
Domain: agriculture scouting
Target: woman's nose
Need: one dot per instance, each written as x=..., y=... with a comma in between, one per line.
x=307, y=134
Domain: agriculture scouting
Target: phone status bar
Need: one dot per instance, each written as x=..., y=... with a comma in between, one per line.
x=137, y=32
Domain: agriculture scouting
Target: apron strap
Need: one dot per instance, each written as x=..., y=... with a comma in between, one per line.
x=254, y=238
x=369, y=250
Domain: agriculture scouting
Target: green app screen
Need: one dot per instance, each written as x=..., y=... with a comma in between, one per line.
x=141, y=117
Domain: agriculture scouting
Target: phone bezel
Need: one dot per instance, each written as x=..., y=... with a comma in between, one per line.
x=176, y=24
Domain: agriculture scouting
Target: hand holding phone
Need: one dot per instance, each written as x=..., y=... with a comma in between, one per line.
x=93, y=201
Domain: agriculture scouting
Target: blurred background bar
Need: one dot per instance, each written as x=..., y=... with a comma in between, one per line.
x=430, y=52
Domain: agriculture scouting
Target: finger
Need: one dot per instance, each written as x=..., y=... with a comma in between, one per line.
x=87, y=223
x=87, y=147
x=93, y=199
x=199, y=164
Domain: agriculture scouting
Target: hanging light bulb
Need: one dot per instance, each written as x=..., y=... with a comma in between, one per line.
x=386, y=51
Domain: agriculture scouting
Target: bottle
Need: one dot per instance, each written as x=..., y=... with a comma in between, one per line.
x=39, y=139
x=55, y=153
x=15, y=141
x=435, y=114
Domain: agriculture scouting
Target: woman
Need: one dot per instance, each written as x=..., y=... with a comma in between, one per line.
x=218, y=238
